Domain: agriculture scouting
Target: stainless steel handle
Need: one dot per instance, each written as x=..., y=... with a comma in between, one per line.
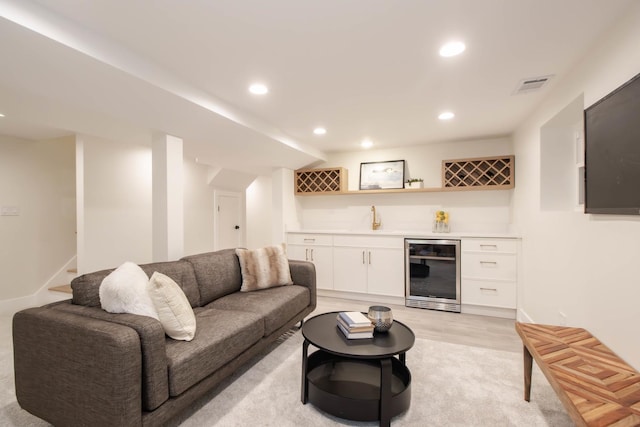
x=309, y=240
x=369, y=257
x=489, y=289
x=493, y=263
x=306, y=254
x=488, y=247
x=363, y=257
x=312, y=255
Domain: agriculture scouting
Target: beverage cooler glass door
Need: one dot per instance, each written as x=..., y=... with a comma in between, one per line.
x=432, y=273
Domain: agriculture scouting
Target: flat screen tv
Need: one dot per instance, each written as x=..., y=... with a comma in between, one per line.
x=612, y=152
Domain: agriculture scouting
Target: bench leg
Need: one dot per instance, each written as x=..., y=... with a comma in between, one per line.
x=528, y=365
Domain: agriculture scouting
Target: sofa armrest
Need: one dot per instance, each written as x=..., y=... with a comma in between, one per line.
x=66, y=364
x=303, y=273
x=155, y=378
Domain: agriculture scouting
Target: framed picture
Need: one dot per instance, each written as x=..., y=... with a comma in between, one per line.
x=382, y=175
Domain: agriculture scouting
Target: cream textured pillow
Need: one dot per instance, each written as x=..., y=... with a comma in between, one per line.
x=172, y=305
x=264, y=268
x=124, y=290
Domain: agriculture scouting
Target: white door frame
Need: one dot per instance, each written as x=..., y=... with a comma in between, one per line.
x=241, y=221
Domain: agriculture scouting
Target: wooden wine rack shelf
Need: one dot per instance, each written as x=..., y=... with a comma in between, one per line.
x=480, y=173
x=320, y=181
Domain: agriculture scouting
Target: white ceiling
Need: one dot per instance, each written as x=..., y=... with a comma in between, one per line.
x=361, y=68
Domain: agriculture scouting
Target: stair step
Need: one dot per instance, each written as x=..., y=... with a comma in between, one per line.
x=62, y=288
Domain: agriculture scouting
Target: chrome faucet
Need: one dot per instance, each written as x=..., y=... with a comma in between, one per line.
x=374, y=224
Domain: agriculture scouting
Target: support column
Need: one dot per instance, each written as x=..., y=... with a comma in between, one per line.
x=285, y=213
x=168, y=200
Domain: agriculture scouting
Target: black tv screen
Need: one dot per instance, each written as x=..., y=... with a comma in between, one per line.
x=612, y=152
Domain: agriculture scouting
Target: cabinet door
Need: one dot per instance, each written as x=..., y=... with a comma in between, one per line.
x=350, y=269
x=385, y=275
x=321, y=257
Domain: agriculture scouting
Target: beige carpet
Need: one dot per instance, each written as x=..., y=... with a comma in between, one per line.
x=452, y=385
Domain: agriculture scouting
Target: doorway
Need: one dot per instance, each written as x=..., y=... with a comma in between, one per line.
x=228, y=220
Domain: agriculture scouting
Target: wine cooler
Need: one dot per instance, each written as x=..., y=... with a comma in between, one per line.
x=432, y=274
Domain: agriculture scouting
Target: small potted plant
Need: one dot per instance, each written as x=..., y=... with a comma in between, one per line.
x=414, y=183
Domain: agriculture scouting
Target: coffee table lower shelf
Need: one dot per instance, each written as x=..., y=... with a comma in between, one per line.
x=350, y=388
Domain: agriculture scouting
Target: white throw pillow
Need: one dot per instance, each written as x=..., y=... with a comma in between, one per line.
x=124, y=290
x=172, y=305
x=264, y=268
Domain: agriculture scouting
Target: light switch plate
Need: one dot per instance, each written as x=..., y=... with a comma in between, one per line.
x=9, y=211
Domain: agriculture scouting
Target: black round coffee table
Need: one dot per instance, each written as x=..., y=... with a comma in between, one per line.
x=357, y=379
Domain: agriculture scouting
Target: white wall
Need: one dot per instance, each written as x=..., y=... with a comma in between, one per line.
x=423, y=161
x=198, y=209
x=584, y=266
x=259, y=213
x=484, y=211
x=38, y=177
x=117, y=204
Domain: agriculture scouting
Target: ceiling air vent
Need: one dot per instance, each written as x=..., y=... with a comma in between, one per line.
x=532, y=84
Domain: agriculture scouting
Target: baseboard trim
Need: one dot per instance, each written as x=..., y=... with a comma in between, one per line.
x=361, y=296
x=10, y=306
x=524, y=317
x=505, y=313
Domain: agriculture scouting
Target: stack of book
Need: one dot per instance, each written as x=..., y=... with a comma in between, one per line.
x=355, y=325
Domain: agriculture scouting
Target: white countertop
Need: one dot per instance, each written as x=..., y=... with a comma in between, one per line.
x=412, y=234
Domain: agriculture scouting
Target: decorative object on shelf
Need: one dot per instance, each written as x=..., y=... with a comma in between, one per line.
x=381, y=317
x=441, y=222
x=414, y=183
x=480, y=173
x=320, y=181
x=382, y=175
x=354, y=325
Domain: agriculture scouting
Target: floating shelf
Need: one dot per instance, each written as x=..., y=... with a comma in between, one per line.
x=473, y=174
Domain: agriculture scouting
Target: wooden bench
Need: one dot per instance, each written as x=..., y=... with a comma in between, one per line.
x=596, y=387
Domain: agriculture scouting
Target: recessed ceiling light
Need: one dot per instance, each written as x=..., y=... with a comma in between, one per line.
x=452, y=49
x=258, y=89
x=319, y=131
x=1, y=115
x=447, y=115
x=367, y=143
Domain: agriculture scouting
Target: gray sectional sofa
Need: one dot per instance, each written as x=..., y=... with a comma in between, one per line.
x=76, y=364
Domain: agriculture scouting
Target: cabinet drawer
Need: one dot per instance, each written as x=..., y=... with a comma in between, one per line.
x=489, y=245
x=348, y=240
x=488, y=293
x=489, y=266
x=310, y=239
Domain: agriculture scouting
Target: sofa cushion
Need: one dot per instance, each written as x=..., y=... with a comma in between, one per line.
x=124, y=290
x=275, y=305
x=263, y=268
x=173, y=308
x=182, y=273
x=86, y=287
x=221, y=335
x=217, y=273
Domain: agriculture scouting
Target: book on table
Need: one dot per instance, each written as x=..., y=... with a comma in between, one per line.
x=354, y=335
x=364, y=328
x=354, y=325
x=354, y=318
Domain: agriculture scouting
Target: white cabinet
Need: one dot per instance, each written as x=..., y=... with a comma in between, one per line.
x=317, y=249
x=489, y=272
x=369, y=264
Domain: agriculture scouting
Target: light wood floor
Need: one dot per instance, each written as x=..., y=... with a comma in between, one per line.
x=457, y=328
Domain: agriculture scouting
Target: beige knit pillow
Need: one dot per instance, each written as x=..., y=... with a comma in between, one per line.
x=264, y=268
x=174, y=311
